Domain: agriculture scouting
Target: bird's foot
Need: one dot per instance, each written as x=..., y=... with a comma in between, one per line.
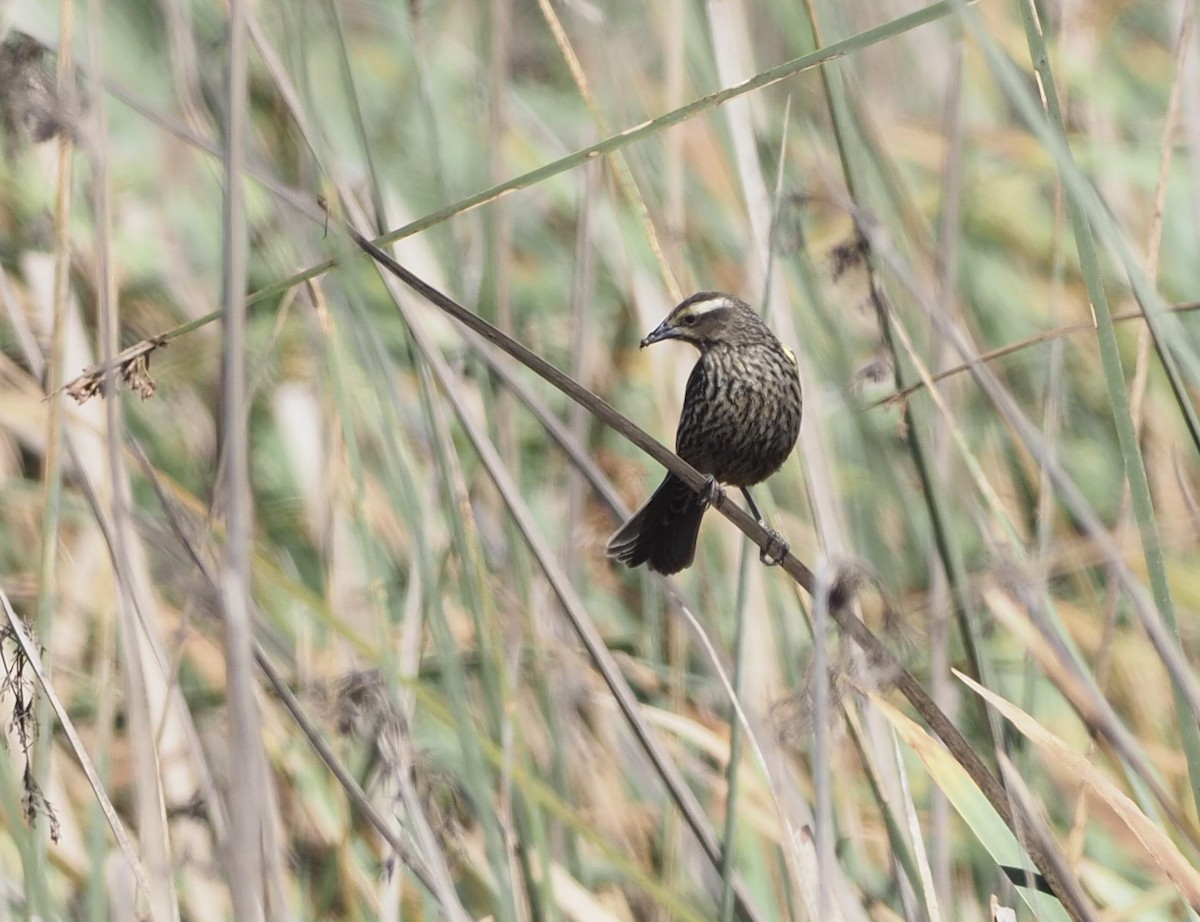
x=713, y=493
x=772, y=555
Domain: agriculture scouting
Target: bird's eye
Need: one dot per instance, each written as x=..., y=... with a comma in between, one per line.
x=689, y=319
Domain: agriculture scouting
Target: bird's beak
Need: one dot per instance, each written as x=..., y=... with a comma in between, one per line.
x=663, y=331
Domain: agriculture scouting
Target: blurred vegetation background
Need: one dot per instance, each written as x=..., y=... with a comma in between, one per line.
x=426, y=513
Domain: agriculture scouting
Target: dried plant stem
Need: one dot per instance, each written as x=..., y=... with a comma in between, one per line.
x=248, y=831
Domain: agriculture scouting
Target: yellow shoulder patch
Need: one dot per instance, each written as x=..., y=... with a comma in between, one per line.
x=790, y=354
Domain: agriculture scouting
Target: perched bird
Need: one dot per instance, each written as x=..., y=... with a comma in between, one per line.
x=740, y=420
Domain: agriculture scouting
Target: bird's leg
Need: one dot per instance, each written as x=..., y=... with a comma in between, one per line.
x=712, y=494
x=772, y=555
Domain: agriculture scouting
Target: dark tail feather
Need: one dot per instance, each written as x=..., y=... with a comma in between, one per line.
x=662, y=534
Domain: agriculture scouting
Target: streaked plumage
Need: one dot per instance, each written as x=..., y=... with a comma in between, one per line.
x=739, y=422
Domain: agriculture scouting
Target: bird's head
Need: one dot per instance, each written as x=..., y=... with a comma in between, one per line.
x=709, y=318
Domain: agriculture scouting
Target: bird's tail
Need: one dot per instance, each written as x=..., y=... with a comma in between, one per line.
x=662, y=534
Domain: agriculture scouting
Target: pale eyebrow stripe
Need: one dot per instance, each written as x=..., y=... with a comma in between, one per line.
x=704, y=307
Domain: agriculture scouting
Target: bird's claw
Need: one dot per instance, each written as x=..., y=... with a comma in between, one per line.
x=776, y=549
x=713, y=493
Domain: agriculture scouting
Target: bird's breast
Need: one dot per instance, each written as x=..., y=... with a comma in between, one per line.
x=741, y=413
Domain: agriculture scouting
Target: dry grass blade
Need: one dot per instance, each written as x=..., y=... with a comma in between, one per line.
x=1091, y=707
x=250, y=834
x=1159, y=847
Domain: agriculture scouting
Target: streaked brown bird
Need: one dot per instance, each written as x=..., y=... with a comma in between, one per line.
x=740, y=420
